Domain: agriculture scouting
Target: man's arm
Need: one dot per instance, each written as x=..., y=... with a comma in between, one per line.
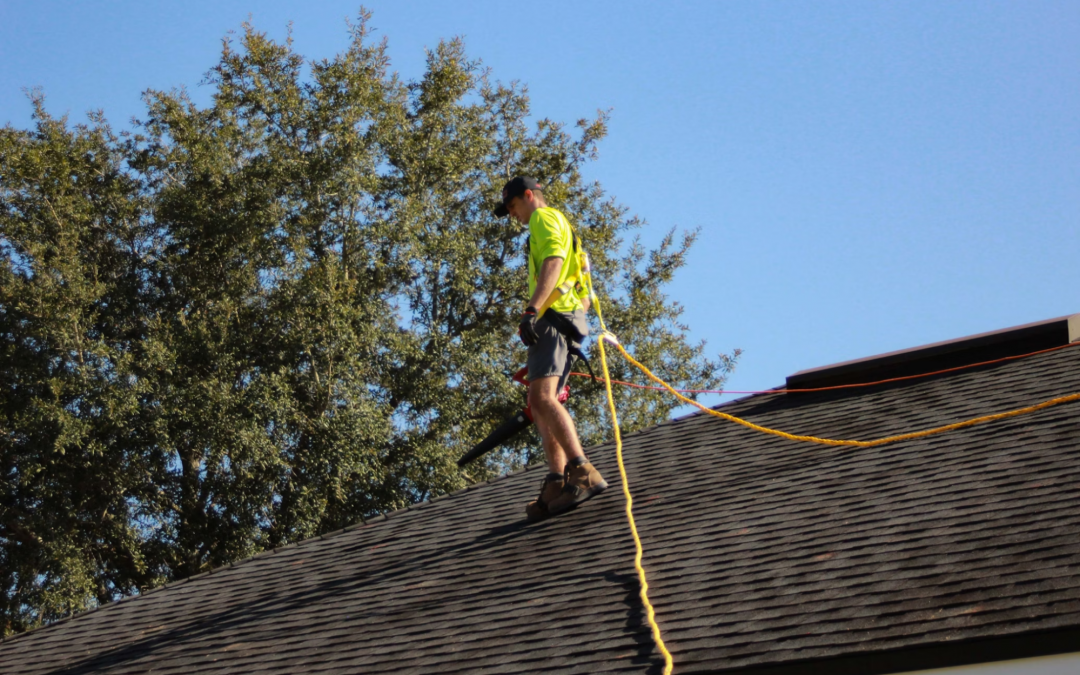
x=546, y=280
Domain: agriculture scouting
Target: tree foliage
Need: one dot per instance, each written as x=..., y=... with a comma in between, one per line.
x=246, y=324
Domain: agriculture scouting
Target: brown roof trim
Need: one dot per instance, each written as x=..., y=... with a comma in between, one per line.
x=948, y=354
x=980, y=651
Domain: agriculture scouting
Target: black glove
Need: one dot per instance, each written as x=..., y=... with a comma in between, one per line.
x=527, y=327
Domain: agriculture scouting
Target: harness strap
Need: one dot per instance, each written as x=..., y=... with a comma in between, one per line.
x=574, y=282
x=580, y=353
x=573, y=337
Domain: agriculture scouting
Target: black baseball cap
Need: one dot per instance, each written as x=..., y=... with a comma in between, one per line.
x=515, y=187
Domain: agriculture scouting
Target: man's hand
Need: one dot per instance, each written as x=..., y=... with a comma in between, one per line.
x=527, y=327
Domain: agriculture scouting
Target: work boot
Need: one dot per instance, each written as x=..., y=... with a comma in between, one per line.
x=582, y=482
x=537, y=509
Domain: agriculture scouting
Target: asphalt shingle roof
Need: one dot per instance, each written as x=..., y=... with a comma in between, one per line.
x=760, y=552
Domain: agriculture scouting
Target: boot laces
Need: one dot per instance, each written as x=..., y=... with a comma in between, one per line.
x=543, y=486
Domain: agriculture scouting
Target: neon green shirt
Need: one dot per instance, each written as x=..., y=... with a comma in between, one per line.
x=550, y=236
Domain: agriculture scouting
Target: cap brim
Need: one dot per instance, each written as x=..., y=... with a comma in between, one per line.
x=501, y=211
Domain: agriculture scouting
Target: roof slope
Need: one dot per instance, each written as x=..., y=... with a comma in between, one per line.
x=760, y=552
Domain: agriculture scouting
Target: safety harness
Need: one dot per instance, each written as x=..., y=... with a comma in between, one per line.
x=576, y=281
x=579, y=282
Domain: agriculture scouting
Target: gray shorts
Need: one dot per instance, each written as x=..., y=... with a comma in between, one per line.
x=550, y=356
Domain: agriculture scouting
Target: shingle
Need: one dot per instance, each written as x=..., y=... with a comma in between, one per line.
x=758, y=550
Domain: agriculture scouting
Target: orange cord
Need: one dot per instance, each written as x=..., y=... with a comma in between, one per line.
x=839, y=386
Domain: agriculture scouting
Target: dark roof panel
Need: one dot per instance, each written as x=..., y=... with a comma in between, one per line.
x=1005, y=343
x=761, y=553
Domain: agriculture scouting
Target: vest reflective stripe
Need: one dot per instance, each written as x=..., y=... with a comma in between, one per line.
x=573, y=282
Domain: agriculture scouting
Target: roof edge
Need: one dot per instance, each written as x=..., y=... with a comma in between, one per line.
x=929, y=656
x=947, y=354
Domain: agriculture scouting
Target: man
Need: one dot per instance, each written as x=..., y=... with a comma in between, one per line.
x=550, y=338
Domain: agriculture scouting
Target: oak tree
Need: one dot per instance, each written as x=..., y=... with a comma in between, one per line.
x=244, y=324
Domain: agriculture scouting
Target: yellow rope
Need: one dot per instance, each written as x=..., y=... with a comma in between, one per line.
x=649, y=611
x=829, y=441
x=607, y=336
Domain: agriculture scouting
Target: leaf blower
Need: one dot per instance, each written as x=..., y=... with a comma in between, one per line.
x=511, y=426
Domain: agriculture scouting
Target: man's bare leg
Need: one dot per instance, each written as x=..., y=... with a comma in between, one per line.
x=553, y=452
x=562, y=447
x=556, y=427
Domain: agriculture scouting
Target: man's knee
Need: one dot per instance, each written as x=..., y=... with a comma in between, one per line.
x=542, y=393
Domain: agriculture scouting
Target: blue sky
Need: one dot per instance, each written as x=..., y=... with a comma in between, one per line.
x=868, y=176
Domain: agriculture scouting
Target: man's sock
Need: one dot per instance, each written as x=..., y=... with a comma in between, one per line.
x=578, y=461
x=555, y=476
